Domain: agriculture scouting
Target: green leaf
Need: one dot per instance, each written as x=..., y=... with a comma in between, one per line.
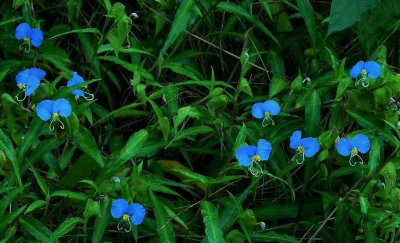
x=312, y=115
x=192, y=176
x=35, y=228
x=345, y=13
x=86, y=30
x=8, y=149
x=184, y=18
x=366, y=119
x=244, y=87
x=64, y=228
x=164, y=225
x=132, y=147
x=274, y=237
x=241, y=12
x=342, y=87
x=374, y=156
x=211, y=221
x=278, y=84
x=101, y=222
x=35, y=205
x=307, y=13
x=69, y=194
x=86, y=142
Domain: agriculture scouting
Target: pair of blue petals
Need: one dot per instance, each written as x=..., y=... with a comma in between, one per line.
x=309, y=145
x=47, y=109
x=136, y=211
x=372, y=69
x=30, y=79
x=360, y=142
x=30, y=36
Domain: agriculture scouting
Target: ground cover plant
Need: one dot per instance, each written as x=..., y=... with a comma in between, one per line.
x=199, y=121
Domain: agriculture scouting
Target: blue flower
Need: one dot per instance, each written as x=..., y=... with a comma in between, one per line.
x=306, y=147
x=28, y=35
x=265, y=110
x=47, y=109
x=129, y=213
x=77, y=79
x=353, y=146
x=248, y=155
x=28, y=81
x=367, y=70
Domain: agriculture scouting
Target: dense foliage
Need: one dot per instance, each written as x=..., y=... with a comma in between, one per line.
x=199, y=121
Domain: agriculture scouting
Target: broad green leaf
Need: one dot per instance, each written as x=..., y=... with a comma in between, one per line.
x=312, y=115
x=307, y=13
x=374, y=156
x=87, y=143
x=211, y=221
x=184, y=18
x=164, y=225
x=8, y=149
x=86, y=30
x=132, y=147
x=346, y=13
x=64, y=228
x=101, y=222
x=278, y=84
x=35, y=228
x=35, y=205
x=366, y=119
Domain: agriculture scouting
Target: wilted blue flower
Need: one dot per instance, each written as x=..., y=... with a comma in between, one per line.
x=28, y=81
x=367, y=70
x=265, y=110
x=250, y=155
x=352, y=146
x=77, y=79
x=47, y=109
x=133, y=213
x=28, y=35
x=305, y=147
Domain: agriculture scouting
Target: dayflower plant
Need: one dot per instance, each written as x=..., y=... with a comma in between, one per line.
x=49, y=109
x=29, y=36
x=133, y=213
x=353, y=146
x=250, y=155
x=28, y=81
x=367, y=70
x=305, y=147
x=265, y=110
x=77, y=79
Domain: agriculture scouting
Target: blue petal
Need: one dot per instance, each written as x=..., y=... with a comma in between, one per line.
x=295, y=140
x=137, y=213
x=272, y=107
x=311, y=146
x=32, y=84
x=118, y=208
x=264, y=149
x=244, y=154
x=44, y=109
x=258, y=110
x=76, y=79
x=344, y=147
x=62, y=107
x=361, y=142
x=37, y=72
x=78, y=92
x=36, y=37
x=22, y=30
x=355, y=71
x=22, y=77
x=373, y=69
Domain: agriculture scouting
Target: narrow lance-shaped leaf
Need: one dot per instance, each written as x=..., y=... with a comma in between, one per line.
x=211, y=221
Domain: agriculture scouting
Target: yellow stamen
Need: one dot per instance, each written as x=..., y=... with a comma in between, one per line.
x=256, y=158
x=55, y=115
x=354, y=151
x=300, y=149
x=26, y=39
x=267, y=114
x=363, y=72
x=125, y=217
x=22, y=86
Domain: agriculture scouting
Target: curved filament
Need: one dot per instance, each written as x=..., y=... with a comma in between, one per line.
x=353, y=162
x=17, y=96
x=296, y=158
x=88, y=96
x=266, y=121
x=121, y=227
